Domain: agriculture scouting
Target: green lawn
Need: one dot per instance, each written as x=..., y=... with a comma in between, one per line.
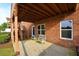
x=6, y=51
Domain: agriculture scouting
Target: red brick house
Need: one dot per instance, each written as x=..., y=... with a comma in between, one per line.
x=56, y=23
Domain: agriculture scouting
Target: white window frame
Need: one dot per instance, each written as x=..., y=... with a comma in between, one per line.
x=66, y=29
x=41, y=31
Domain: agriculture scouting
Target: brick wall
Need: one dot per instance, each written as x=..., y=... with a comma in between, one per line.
x=52, y=25
x=27, y=29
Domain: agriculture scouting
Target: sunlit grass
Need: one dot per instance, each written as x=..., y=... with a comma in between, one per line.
x=6, y=51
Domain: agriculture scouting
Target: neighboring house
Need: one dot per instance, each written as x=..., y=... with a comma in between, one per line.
x=56, y=23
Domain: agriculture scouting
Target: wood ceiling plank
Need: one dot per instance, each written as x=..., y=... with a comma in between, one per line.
x=36, y=7
x=24, y=13
x=66, y=7
x=62, y=7
x=30, y=12
x=49, y=5
x=71, y=7
x=41, y=11
x=55, y=8
x=44, y=7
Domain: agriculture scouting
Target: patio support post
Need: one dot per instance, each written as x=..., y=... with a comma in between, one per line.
x=16, y=36
x=12, y=33
x=17, y=49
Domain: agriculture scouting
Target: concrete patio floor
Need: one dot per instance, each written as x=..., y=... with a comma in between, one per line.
x=34, y=48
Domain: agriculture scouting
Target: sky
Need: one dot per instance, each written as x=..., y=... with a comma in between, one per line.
x=5, y=9
x=66, y=23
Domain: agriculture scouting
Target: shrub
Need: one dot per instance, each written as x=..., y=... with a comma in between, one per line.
x=4, y=37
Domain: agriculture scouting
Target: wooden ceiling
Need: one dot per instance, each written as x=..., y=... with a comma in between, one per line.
x=38, y=11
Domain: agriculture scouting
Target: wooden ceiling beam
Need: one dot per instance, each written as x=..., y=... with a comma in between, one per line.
x=52, y=8
x=41, y=11
x=71, y=6
x=56, y=8
x=26, y=14
x=61, y=7
x=32, y=17
x=30, y=11
x=66, y=7
x=47, y=9
x=36, y=8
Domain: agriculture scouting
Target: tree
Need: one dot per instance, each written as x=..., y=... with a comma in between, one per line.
x=0, y=28
x=3, y=26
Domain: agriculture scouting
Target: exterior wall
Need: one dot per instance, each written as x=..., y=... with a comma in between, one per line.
x=52, y=25
x=53, y=29
x=27, y=29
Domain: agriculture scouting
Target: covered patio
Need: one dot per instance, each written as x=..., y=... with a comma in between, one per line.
x=34, y=14
x=35, y=48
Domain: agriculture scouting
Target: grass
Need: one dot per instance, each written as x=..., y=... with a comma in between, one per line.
x=4, y=36
x=6, y=51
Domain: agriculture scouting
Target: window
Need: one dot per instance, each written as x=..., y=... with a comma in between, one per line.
x=41, y=29
x=33, y=30
x=66, y=29
x=41, y=32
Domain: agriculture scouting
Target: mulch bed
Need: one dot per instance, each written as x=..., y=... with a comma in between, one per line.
x=8, y=44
